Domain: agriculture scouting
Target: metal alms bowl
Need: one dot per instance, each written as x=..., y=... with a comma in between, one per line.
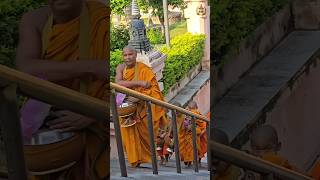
x=126, y=109
x=46, y=136
x=50, y=150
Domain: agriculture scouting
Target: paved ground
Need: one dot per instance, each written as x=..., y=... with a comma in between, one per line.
x=165, y=172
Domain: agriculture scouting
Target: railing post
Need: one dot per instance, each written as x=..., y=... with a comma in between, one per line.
x=11, y=133
x=208, y=147
x=194, y=142
x=152, y=140
x=175, y=139
x=118, y=135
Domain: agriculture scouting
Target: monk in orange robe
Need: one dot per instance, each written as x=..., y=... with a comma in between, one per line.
x=265, y=144
x=201, y=131
x=139, y=77
x=67, y=43
x=185, y=137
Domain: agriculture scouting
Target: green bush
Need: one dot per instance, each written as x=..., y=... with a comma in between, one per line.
x=119, y=37
x=115, y=60
x=155, y=36
x=185, y=53
x=10, y=15
x=233, y=20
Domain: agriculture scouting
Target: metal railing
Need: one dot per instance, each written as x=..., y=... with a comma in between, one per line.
x=12, y=81
x=174, y=109
x=242, y=159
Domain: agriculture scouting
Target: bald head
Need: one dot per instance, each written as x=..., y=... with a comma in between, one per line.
x=264, y=137
x=192, y=105
x=129, y=54
x=220, y=136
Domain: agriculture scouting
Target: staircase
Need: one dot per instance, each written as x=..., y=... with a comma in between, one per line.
x=165, y=172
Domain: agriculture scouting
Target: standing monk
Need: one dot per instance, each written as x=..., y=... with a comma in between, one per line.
x=67, y=43
x=201, y=131
x=139, y=77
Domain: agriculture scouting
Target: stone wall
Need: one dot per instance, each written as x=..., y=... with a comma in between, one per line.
x=251, y=50
x=307, y=14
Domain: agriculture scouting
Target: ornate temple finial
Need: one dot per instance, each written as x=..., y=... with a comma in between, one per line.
x=135, y=12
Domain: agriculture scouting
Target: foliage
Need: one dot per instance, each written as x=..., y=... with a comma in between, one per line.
x=115, y=60
x=155, y=36
x=233, y=20
x=10, y=15
x=118, y=6
x=119, y=37
x=185, y=53
x=178, y=29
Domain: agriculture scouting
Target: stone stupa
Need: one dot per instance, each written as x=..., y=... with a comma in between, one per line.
x=138, y=39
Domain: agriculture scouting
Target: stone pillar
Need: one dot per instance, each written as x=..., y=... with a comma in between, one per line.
x=197, y=14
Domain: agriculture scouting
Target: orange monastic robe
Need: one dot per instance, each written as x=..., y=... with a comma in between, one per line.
x=201, y=139
x=276, y=159
x=63, y=46
x=136, y=138
x=185, y=140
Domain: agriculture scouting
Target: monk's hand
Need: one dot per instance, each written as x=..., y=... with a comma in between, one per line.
x=145, y=84
x=69, y=121
x=133, y=99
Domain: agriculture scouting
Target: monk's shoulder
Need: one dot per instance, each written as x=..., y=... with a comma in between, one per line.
x=144, y=68
x=120, y=67
x=37, y=17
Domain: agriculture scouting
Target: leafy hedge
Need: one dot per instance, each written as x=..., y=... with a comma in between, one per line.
x=185, y=53
x=11, y=12
x=155, y=36
x=233, y=20
x=119, y=37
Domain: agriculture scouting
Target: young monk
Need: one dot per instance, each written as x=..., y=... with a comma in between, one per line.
x=164, y=145
x=222, y=170
x=265, y=144
x=201, y=131
x=185, y=137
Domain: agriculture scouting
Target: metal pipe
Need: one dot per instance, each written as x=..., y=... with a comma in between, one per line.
x=11, y=133
x=152, y=139
x=176, y=140
x=54, y=94
x=208, y=147
x=155, y=101
x=115, y=117
x=195, y=148
x=253, y=163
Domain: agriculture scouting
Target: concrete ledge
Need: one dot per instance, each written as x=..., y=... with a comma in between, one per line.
x=251, y=50
x=192, y=88
x=244, y=106
x=176, y=88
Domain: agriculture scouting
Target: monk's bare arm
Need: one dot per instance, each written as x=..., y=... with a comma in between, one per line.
x=128, y=84
x=29, y=57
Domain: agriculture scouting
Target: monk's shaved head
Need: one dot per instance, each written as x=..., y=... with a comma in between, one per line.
x=220, y=136
x=130, y=48
x=192, y=105
x=264, y=137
